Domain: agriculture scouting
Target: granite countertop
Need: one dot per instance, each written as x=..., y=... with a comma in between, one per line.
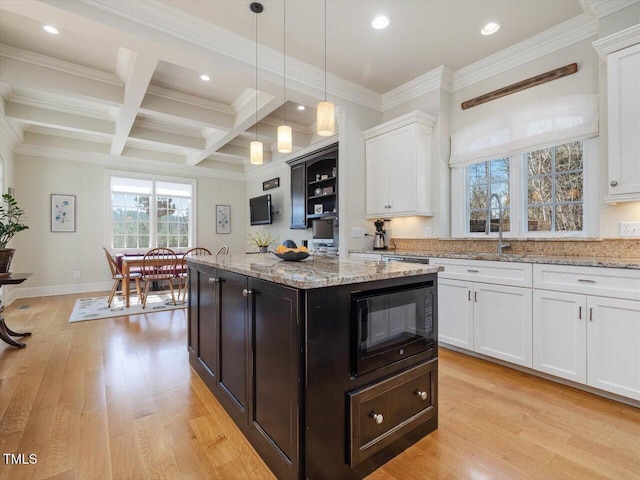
x=314, y=272
x=610, y=262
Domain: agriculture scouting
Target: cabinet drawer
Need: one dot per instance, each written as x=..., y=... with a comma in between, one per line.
x=500, y=273
x=366, y=256
x=609, y=282
x=403, y=402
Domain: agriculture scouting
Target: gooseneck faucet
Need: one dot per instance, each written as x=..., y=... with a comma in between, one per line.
x=501, y=245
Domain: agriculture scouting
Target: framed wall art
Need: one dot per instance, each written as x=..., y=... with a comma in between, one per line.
x=223, y=219
x=63, y=213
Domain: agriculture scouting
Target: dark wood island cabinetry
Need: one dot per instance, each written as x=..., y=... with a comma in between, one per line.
x=274, y=342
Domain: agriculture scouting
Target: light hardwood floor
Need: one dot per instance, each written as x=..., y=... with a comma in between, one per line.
x=116, y=399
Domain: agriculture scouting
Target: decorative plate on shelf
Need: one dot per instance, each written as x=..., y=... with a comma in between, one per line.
x=292, y=256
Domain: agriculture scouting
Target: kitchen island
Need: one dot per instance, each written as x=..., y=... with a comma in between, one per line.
x=298, y=355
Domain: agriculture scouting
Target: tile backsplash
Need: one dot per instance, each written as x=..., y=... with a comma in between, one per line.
x=608, y=247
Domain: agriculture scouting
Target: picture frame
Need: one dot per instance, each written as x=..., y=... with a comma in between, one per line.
x=269, y=184
x=63, y=213
x=223, y=219
x=318, y=208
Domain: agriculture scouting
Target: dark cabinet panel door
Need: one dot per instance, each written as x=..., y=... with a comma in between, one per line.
x=276, y=374
x=208, y=335
x=192, y=312
x=298, y=196
x=233, y=340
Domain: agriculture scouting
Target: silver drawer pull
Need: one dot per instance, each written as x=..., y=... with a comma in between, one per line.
x=422, y=395
x=584, y=280
x=377, y=417
x=246, y=293
x=580, y=312
x=613, y=183
x=213, y=280
x=472, y=271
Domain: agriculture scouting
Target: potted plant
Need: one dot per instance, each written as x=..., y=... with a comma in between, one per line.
x=261, y=239
x=10, y=224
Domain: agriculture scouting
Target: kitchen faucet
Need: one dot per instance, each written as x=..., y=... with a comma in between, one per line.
x=501, y=245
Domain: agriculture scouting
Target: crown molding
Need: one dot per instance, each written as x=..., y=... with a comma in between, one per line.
x=114, y=161
x=602, y=8
x=159, y=125
x=189, y=99
x=10, y=135
x=617, y=41
x=170, y=21
x=561, y=36
x=439, y=78
x=64, y=133
x=60, y=65
x=412, y=117
x=67, y=107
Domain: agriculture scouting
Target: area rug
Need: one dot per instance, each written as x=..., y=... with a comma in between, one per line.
x=94, y=308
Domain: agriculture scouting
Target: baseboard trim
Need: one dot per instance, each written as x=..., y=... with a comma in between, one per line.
x=546, y=376
x=50, y=290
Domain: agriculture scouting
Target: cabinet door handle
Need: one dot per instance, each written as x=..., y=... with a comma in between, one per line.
x=584, y=280
x=469, y=294
x=591, y=314
x=580, y=312
x=246, y=293
x=377, y=417
x=472, y=271
x=213, y=280
x=421, y=394
x=475, y=296
x=613, y=183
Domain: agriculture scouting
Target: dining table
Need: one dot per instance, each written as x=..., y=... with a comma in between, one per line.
x=133, y=261
x=6, y=333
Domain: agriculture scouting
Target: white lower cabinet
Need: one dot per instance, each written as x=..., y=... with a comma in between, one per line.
x=560, y=334
x=502, y=323
x=494, y=320
x=613, y=345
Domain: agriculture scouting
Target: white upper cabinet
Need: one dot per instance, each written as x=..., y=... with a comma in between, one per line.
x=398, y=167
x=621, y=52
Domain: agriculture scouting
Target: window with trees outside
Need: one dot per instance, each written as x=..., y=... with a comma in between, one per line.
x=549, y=192
x=148, y=213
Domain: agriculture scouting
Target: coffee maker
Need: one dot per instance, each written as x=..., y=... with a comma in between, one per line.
x=379, y=242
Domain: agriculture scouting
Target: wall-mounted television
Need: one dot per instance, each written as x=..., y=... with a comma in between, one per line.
x=260, y=210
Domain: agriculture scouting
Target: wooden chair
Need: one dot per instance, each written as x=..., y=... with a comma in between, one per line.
x=118, y=277
x=183, y=273
x=224, y=250
x=158, y=264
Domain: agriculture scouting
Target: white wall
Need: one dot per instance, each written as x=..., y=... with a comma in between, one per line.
x=53, y=257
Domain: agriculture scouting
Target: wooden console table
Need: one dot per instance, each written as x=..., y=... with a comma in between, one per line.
x=5, y=332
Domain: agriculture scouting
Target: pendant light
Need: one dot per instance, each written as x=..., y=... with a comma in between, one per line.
x=285, y=137
x=255, y=149
x=325, y=121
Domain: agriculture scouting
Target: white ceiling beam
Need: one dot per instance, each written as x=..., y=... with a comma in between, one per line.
x=25, y=74
x=184, y=113
x=138, y=72
x=53, y=119
x=164, y=138
x=245, y=118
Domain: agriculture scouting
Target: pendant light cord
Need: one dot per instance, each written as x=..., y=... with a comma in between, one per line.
x=284, y=51
x=256, y=76
x=325, y=50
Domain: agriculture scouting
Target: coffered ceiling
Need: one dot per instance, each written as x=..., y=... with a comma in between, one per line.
x=121, y=83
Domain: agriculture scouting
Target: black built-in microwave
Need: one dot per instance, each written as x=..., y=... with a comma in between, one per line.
x=391, y=324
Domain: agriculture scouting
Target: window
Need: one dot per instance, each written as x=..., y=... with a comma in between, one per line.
x=484, y=180
x=541, y=192
x=147, y=213
x=555, y=188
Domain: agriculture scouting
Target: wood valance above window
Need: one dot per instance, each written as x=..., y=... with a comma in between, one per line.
x=525, y=127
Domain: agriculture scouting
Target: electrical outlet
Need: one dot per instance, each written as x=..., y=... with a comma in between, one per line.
x=630, y=229
x=76, y=274
x=357, y=232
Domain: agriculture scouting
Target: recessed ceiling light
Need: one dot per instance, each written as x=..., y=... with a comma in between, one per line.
x=301, y=107
x=51, y=29
x=490, y=28
x=205, y=78
x=380, y=22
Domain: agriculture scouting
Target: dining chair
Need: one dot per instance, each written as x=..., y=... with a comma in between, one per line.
x=183, y=273
x=158, y=264
x=224, y=250
x=118, y=277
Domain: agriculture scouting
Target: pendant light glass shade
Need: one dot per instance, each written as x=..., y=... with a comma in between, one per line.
x=285, y=139
x=326, y=120
x=255, y=151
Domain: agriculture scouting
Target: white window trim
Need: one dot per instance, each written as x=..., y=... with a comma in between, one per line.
x=517, y=189
x=152, y=221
